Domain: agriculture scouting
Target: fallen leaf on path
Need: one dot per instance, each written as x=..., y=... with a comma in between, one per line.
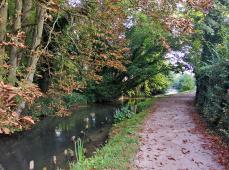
x=185, y=151
x=161, y=149
x=206, y=146
x=149, y=149
x=199, y=163
x=150, y=130
x=185, y=141
x=140, y=156
x=171, y=158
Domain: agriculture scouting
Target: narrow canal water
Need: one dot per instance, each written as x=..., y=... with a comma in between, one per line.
x=52, y=137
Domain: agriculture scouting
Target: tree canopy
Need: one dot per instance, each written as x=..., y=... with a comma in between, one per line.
x=104, y=49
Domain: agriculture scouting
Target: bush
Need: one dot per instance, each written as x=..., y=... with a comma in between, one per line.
x=74, y=98
x=160, y=83
x=212, y=70
x=46, y=106
x=186, y=83
x=144, y=105
x=157, y=84
x=41, y=107
x=123, y=113
x=212, y=97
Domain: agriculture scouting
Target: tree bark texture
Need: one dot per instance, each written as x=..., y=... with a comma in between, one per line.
x=13, y=62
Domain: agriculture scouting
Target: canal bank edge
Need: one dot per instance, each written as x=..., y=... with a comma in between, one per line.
x=122, y=145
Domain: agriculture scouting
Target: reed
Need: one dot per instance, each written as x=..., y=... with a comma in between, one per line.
x=79, y=150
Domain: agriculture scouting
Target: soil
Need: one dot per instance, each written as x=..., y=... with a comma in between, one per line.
x=171, y=139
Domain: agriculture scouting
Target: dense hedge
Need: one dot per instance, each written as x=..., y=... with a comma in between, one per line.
x=212, y=96
x=212, y=67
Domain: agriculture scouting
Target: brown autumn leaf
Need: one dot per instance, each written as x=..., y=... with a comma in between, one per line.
x=28, y=119
x=185, y=151
x=14, y=114
x=5, y=131
x=204, y=5
x=171, y=158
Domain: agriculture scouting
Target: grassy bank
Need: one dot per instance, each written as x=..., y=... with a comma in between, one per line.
x=122, y=146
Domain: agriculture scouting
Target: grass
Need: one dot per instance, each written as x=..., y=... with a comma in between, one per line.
x=121, y=148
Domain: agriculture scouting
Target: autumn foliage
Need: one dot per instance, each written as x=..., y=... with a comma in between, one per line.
x=9, y=99
x=68, y=47
x=204, y=5
x=17, y=40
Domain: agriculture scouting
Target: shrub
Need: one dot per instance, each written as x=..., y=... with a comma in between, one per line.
x=144, y=105
x=186, y=83
x=157, y=84
x=41, y=107
x=74, y=98
x=160, y=83
x=123, y=113
x=212, y=97
x=46, y=106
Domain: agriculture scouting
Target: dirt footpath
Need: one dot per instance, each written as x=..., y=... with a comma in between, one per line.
x=169, y=141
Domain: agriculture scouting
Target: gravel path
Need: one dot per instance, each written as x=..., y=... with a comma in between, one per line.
x=169, y=142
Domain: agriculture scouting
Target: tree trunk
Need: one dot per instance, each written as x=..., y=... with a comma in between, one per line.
x=34, y=57
x=25, y=21
x=3, y=23
x=41, y=11
x=26, y=9
x=13, y=53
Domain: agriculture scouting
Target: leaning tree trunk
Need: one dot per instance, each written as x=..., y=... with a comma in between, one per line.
x=34, y=57
x=41, y=11
x=13, y=52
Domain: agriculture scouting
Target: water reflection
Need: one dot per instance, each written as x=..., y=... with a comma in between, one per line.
x=93, y=118
x=87, y=123
x=1, y=167
x=58, y=132
x=52, y=137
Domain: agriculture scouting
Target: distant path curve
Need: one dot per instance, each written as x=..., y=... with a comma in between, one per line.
x=169, y=142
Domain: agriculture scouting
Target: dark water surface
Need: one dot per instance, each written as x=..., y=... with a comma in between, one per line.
x=52, y=136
